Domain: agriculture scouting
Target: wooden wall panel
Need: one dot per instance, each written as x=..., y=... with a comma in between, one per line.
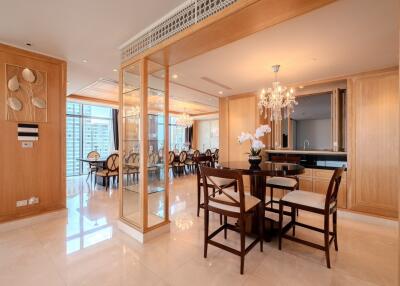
x=39, y=171
x=374, y=143
x=223, y=129
x=242, y=118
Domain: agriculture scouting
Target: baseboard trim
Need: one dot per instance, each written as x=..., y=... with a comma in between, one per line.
x=143, y=237
x=32, y=220
x=368, y=218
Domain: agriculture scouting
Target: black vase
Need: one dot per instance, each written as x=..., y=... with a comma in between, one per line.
x=255, y=160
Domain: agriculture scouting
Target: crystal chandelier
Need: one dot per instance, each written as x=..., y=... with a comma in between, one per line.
x=184, y=120
x=278, y=99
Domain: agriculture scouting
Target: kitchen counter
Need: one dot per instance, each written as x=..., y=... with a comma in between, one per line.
x=310, y=152
x=313, y=159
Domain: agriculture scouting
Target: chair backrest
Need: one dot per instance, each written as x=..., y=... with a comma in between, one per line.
x=153, y=158
x=112, y=162
x=208, y=152
x=210, y=176
x=182, y=157
x=216, y=154
x=196, y=154
x=171, y=157
x=93, y=155
x=333, y=188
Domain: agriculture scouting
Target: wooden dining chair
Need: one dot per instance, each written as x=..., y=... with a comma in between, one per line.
x=192, y=161
x=92, y=166
x=171, y=162
x=180, y=165
x=228, y=203
x=110, y=170
x=288, y=183
x=223, y=183
x=325, y=205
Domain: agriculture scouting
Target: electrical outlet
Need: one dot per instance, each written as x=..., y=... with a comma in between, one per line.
x=33, y=201
x=22, y=203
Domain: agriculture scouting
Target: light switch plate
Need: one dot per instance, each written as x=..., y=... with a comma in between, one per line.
x=25, y=144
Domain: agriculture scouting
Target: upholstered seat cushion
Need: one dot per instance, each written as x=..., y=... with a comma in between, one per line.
x=306, y=199
x=249, y=201
x=282, y=181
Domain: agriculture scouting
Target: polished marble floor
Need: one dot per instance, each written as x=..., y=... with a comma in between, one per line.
x=86, y=248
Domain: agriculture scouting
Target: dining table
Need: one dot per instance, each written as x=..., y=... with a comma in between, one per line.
x=258, y=176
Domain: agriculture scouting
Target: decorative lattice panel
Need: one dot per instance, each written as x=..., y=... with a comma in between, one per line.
x=188, y=14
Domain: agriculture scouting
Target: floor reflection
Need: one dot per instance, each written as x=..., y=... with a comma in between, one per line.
x=87, y=223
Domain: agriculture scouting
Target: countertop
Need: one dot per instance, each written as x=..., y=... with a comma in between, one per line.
x=310, y=152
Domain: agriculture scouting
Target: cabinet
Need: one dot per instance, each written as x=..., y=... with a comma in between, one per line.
x=317, y=181
x=373, y=130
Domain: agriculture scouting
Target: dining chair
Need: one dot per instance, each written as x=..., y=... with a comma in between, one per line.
x=325, y=205
x=110, y=170
x=180, y=165
x=191, y=162
x=228, y=203
x=223, y=183
x=171, y=161
x=216, y=155
x=92, y=166
x=288, y=183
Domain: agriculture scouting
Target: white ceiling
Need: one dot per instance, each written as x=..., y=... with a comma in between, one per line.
x=79, y=29
x=345, y=37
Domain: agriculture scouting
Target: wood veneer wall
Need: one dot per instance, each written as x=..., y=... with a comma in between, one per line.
x=238, y=113
x=39, y=171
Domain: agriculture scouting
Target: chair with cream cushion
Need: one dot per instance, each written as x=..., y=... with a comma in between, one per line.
x=110, y=170
x=228, y=203
x=281, y=183
x=316, y=203
x=223, y=183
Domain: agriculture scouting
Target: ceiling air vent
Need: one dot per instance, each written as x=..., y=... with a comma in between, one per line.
x=181, y=18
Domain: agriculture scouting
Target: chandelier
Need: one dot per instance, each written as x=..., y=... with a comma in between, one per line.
x=184, y=120
x=278, y=99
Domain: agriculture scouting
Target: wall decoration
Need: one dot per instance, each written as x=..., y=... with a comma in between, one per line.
x=26, y=94
x=28, y=132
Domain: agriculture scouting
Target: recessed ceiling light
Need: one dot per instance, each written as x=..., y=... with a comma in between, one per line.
x=174, y=76
x=84, y=61
x=115, y=70
x=301, y=87
x=220, y=92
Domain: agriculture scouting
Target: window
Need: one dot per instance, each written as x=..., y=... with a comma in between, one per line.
x=89, y=128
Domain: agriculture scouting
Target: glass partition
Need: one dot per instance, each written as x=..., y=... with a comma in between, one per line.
x=156, y=183
x=144, y=173
x=131, y=180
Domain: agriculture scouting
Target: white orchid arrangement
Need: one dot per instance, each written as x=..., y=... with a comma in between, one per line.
x=256, y=144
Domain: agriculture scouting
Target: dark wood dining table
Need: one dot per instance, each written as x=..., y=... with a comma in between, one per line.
x=258, y=179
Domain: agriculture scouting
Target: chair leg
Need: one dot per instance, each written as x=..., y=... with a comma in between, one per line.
x=280, y=225
x=242, y=244
x=293, y=214
x=225, y=229
x=272, y=197
x=326, y=238
x=206, y=218
x=87, y=178
x=334, y=216
x=261, y=226
x=198, y=199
